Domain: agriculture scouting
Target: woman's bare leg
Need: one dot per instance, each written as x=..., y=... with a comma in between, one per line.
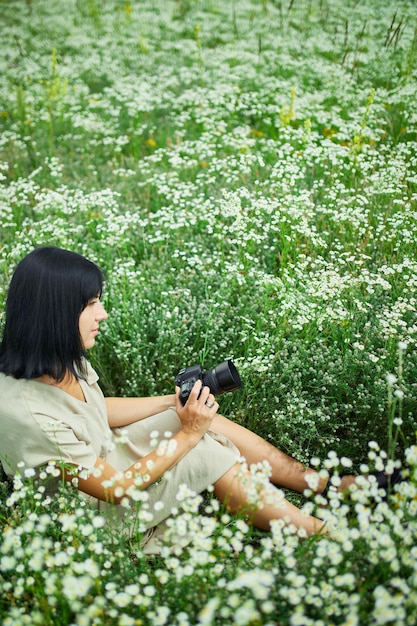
x=232, y=489
x=286, y=471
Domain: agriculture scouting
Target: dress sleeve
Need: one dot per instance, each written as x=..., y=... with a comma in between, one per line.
x=62, y=442
x=40, y=423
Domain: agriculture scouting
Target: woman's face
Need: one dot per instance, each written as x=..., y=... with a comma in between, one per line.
x=89, y=320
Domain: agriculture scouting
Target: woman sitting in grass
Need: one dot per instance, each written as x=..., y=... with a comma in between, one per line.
x=52, y=409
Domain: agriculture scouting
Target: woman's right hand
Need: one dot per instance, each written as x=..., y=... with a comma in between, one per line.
x=197, y=414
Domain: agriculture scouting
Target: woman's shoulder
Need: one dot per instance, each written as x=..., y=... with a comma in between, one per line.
x=20, y=401
x=21, y=397
x=10, y=384
x=19, y=393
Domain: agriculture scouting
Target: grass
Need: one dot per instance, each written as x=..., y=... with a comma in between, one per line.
x=244, y=173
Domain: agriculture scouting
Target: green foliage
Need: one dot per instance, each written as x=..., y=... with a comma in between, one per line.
x=63, y=562
x=245, y=174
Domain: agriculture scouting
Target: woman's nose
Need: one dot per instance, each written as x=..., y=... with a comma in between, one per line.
x=101, y=312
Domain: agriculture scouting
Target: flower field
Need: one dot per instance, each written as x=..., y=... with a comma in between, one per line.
x=245, y=172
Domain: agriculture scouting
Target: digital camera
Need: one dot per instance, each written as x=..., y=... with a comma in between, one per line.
x=224, y=377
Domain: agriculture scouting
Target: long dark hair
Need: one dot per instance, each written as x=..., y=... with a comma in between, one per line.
x=49, y=289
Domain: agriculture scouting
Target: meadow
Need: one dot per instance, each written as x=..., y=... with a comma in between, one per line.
x=245, y=173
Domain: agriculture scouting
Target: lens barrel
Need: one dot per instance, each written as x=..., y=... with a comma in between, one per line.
x=222, y=378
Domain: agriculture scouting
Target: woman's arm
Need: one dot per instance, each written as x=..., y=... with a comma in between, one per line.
x=107, y=484
x=124, y=411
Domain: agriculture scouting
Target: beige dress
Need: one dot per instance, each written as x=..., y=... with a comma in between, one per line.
x=41, y=423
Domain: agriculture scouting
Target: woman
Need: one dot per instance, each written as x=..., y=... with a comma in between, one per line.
x=53, y=410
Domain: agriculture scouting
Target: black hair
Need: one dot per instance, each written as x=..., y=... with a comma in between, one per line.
x=49, y=289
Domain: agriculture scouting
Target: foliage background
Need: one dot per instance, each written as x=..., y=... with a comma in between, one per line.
x=245, y=174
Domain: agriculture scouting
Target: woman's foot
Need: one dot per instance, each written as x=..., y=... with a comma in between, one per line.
x=384, y=480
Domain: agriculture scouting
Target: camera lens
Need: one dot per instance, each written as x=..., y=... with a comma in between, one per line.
x=224, y=377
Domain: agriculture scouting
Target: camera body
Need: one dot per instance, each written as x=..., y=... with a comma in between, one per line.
x=220, y=379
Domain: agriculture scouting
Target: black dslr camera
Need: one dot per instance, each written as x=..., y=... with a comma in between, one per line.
x=224, y=377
